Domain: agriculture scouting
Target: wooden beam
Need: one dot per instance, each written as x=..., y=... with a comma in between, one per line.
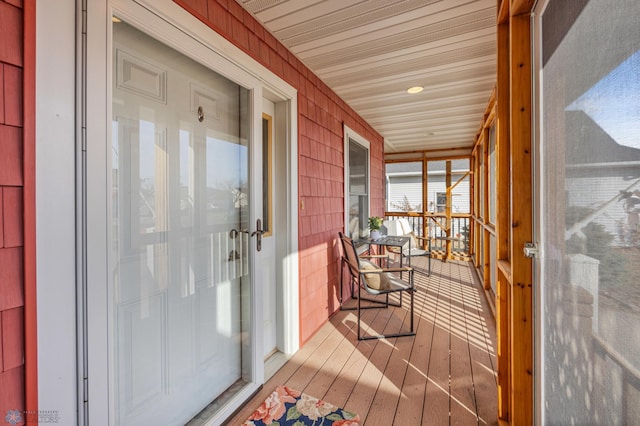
x=521, y=7
x=521, y=357
x=503, y=11
x=423, y=155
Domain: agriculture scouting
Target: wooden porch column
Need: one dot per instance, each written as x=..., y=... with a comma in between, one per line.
x=503, y=237
x=447, y=211
x=521, y=294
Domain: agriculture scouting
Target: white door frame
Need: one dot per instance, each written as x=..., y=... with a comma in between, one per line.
x=172, y=25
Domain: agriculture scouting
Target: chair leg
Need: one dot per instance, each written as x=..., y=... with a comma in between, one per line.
x=412, y=296
x=359, y=337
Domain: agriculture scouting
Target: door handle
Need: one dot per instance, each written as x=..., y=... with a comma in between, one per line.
x=258, y=233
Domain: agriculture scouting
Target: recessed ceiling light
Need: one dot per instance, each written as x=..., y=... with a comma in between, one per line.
x=415, y=89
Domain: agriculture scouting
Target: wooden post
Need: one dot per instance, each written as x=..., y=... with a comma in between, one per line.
x=486, y=275
x=425, y=199
x=447, y=210
x=503, y=237
x=521, y=359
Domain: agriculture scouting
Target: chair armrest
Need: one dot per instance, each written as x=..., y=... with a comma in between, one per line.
x=429, y=239
x=398, y=269
x=383, y=270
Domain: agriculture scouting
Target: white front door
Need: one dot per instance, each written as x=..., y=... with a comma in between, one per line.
x=180, y=232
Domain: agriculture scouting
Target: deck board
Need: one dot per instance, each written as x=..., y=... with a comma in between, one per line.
x=446, y=374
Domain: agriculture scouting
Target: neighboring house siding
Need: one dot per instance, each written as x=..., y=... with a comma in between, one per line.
x=411, y=187
x=321, y=115
x=12, y=375
x=460, y=202
x=401, y=187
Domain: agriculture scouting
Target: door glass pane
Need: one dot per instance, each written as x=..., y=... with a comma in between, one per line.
x=267, y=174
x=358, y=190
x=180, y=260
x=590, y=214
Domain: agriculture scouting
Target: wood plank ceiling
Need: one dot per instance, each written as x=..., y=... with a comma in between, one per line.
x=370, y=52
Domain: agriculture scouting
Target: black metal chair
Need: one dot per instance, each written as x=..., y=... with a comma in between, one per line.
x=375, y=280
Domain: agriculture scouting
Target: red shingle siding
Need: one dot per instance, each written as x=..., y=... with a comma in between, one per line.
x=321, y=114
x=1, y=93
x=12, y=214
x=10, y=34
x=12, y=95
x=12, y=335
x=10, y=156
x=12, y=338
x=12, y=391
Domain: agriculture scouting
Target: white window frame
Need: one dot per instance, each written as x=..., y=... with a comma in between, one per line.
x=351, y=135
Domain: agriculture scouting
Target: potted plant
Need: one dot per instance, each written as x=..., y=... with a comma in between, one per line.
x=375, y=223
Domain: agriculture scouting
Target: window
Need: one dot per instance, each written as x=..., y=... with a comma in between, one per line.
x=404, y=186
x=441, y=202
x=356, y=162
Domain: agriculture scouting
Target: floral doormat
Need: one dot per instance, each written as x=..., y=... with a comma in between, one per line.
x=289, y=407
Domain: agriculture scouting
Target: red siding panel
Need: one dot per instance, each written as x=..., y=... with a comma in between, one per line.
x=1, y=218
x=217, y=16
x=1, y=93
x=12, y=213
x=196, y=6
x=11, y=278
x=1, y=356
x=12, y=95
x=12, y=338
x=12, y=391
x=10, y=34
x=10, y=156
x=16, y=3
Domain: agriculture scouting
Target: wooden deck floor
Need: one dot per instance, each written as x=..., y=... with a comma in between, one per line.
x=446, y=374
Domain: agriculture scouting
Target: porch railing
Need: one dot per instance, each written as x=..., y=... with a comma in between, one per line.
x=434, y=226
